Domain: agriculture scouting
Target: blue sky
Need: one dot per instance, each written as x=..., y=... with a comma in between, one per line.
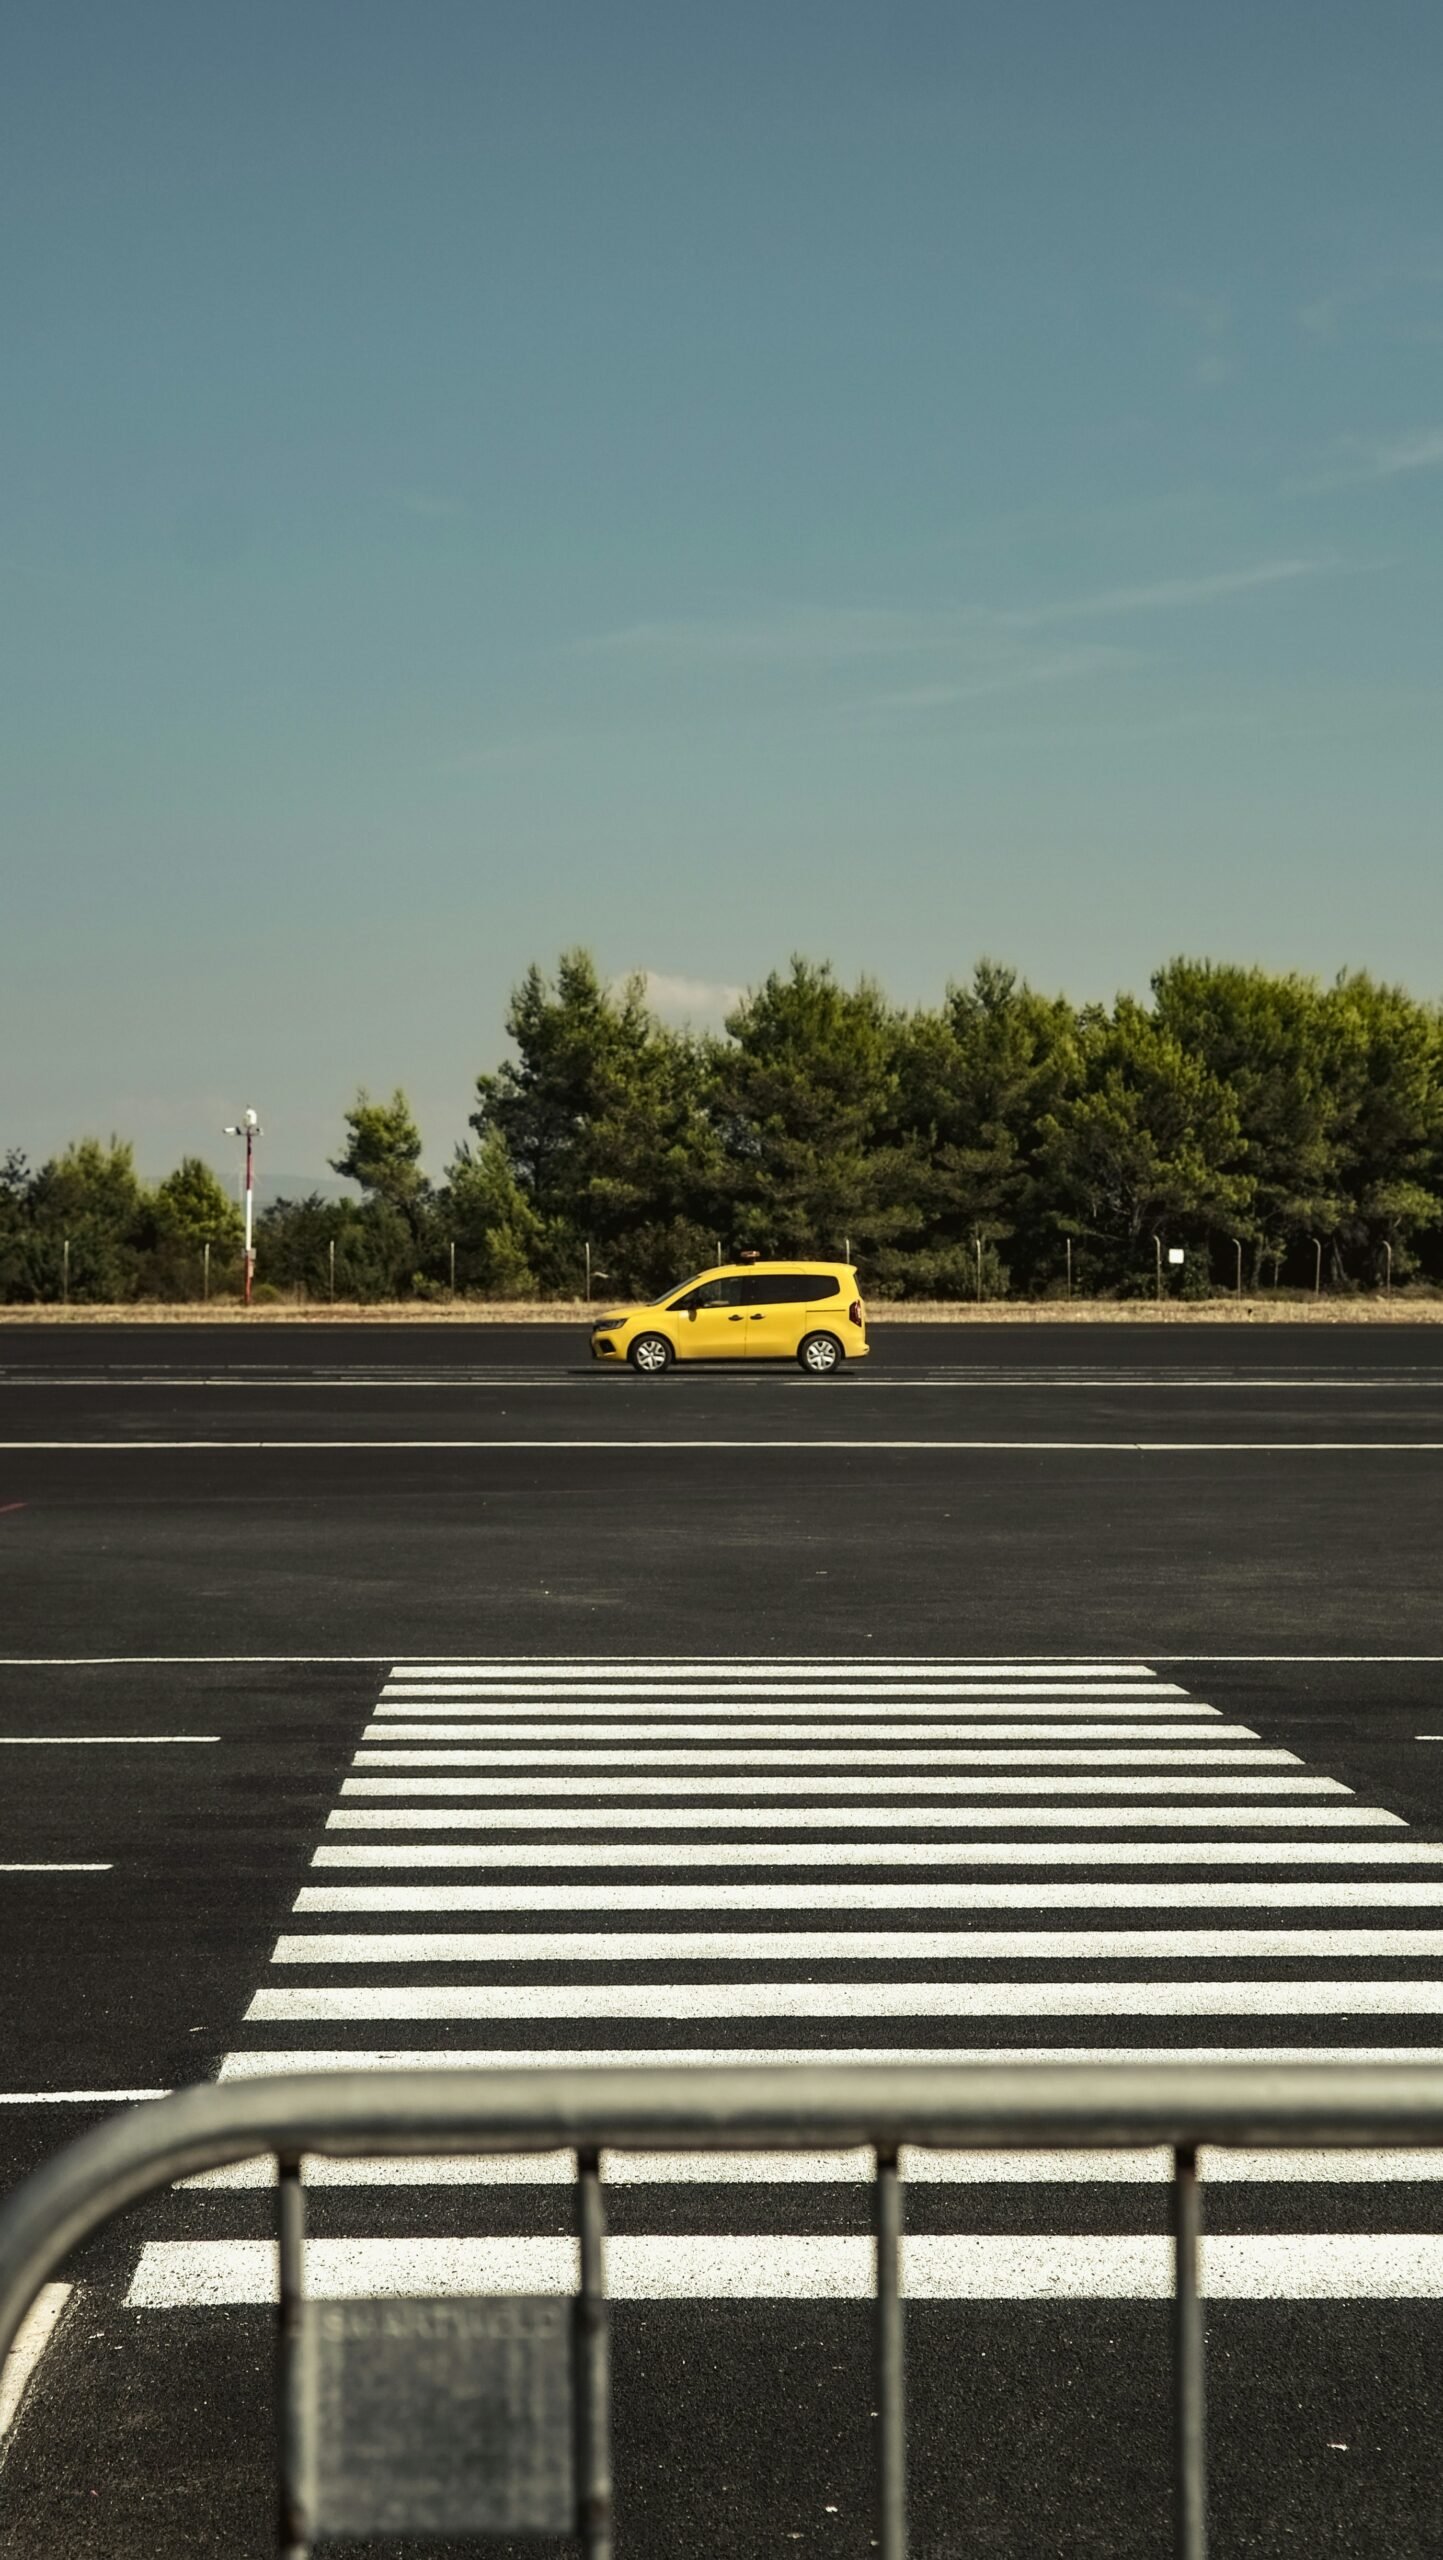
x=891, y=482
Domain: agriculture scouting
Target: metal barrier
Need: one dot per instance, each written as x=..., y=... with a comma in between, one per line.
x=466, y=2416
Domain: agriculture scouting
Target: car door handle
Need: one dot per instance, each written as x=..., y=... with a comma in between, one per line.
x=734, y=1319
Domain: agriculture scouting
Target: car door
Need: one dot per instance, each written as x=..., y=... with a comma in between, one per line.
x=773, y=1315
x=709, y=1323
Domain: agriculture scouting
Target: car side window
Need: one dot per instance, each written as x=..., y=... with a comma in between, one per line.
x=709, y=1293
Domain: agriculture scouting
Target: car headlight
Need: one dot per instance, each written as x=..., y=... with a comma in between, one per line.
x=608, y=1324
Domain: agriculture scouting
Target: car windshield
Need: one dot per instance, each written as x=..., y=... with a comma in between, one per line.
x=676, y=1287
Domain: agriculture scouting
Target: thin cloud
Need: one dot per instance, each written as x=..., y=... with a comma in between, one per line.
x=420, y=502
x=1322, y=318
x=1064, y=665
x=1394, y=285
x=801, y=636
x=1208, y=319
x=1169, y=595
x=839, y=635
x=1361, y=459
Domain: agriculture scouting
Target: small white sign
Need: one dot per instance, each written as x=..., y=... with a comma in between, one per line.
x=1175, y=1253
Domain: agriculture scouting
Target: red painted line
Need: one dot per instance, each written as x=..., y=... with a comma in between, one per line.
x=12, y=1506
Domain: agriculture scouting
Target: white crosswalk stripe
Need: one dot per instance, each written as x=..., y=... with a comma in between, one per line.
x=910, y=1861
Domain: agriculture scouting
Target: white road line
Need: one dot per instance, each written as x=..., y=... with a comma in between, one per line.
x=108, y=1737
x=820, y=1444
x=31, y=2340
x=606, y=1945
x=261, y=2062
x=1146, y=1894
x=1185, y=1854
x=77, y=2097
x=1062, y=1724
x=740, y=1679
x=709, y=1697
x=532, y=2001
x=940, y=1377
x=444, y=2169
x=580, y=1668
x=814, y=1790
x=1031, y=1817
x=113, y=1661
x=949, y=2266
x=744, y=1755
x=56, y=1867
x=850, y=2168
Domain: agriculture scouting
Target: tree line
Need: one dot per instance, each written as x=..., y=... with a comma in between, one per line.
x=1280, y=1132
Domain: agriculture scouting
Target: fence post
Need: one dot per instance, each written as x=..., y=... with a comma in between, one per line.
x=891, y=2489
x=331, y=1257
x=1317, y=1244
x=593, y=2378
x=205, y=1270
x=1190, y=2528
x=65, y=1272
x=1069, y=1268
x=1157, y=1254
x=291, y=2421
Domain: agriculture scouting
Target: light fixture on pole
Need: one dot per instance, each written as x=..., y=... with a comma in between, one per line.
x=249, y=1128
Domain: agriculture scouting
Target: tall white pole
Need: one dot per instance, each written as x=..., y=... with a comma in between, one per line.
x=249, y=1128
x=250, y=1203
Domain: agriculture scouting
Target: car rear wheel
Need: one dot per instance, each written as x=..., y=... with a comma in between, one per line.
x=821, y=1354
x=650, y=1354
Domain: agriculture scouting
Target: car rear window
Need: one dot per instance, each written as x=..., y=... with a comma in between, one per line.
x=789, y=1288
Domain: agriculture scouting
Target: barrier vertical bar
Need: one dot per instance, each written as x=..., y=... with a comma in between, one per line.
x=1190, y=2527
x=593, y=2364
x=291, y=2540
x=891, y=2388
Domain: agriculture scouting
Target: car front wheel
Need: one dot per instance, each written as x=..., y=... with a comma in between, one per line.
x=820, y=1355
x=650, y=1354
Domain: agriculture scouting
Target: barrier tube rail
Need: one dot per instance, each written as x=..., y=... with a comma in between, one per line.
x=416, y=2113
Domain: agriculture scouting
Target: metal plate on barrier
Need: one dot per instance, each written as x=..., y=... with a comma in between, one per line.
x=448, y=2417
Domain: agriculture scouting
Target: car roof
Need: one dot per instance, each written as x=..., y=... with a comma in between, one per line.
x=816, y=1263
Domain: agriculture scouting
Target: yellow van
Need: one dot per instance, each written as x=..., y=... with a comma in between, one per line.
x=811, y=1312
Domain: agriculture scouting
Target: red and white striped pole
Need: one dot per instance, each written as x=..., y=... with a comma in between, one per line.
x=249, y=1128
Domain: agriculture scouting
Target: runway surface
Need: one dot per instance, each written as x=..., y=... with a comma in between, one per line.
x=921, y=1712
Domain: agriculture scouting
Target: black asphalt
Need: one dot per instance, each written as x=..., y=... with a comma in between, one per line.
x=344, y=1349
x=742, y=2428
